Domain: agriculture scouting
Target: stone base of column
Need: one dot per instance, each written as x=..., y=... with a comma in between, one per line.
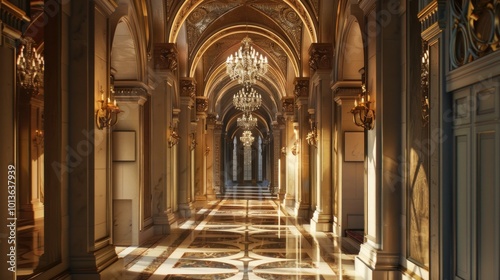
x=375, y=264
x=186, y=210
x=28, y=213
x=320, y=222
x=165, y=223
x=301, y=210
x=105, y=262
x=200, y=197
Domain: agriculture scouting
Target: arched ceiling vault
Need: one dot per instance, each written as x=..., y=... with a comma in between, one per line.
x=211, y=30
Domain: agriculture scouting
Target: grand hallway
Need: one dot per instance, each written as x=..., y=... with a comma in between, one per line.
x=239, y=239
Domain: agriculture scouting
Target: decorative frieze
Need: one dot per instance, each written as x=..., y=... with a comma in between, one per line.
x=320, y=56
x=131, y=94
x=166, y=57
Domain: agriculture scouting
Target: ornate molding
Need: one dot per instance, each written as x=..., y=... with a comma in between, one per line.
x=14, y=19
x=188, y=87
x=320, y=56
x=131, y=94
x=474, y=32
x=211, y=119
x=165, y=57
x=201, y=104
x=301, y=87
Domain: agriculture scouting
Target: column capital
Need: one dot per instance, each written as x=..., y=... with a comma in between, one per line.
x=301, y=88
x=288, y=105
x=320, y=56
x=165, y=56
x=201, y=104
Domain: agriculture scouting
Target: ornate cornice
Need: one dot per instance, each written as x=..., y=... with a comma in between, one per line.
x=301, y=87
x=320, y=56
x=13, y=18
x=131, y=94
x=165, y=57
x=201, y=104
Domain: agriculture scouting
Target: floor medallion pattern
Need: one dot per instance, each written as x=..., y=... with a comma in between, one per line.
x=238, y=239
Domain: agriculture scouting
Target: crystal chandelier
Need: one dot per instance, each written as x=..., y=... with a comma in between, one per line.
x=247, y=138
x=246, y=65
x=247, y=100
x=30, y=67
x=247, y=121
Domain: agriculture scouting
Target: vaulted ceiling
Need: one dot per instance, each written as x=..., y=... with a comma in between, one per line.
x=207, y=32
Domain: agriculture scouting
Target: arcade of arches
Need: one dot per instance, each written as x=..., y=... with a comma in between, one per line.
x=415, y=194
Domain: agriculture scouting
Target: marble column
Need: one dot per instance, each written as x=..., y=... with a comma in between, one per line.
x=7, y=153
x=290, y=160
x=90, y=249
x=188, y=98
x=218, y=154
x=379, y=256
x=320, y=62
x=303, y=193
x=208, y=151
x=162, y=175
x=200, y=144
x=128, y=173
x=277, y=160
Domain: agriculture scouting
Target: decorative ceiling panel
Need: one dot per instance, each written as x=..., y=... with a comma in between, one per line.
x=202, y=17
x=284, y=16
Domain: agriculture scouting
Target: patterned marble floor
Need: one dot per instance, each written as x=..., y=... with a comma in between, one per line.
x=239, y=239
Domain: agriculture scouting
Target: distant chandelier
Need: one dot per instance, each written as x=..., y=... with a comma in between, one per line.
x=246, y=65
x=247, y=138
x=247, y=121
x=247, y=100
x=30, y=67
x=362, y=114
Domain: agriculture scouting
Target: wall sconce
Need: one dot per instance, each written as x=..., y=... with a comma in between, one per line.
x=312, y=135
x=424, y=82
x=174, y=137
x=207, y=150
x=283, y=151
x=38, y=138
x=362, y=114
x=107, y=114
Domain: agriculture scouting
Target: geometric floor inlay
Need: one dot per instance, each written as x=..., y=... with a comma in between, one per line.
x=238, y=239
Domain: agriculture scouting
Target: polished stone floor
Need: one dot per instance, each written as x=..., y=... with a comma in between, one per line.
x=237, y=238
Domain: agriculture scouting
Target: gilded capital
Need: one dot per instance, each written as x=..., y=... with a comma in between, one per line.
x=188, y=87
x=165, y=57
x=288, y=104
x=201, y=104
x=301, y=87
x=320, y=56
